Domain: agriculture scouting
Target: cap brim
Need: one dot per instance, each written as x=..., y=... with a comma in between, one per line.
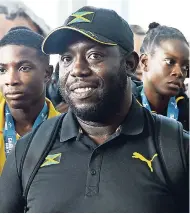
x=55, y=42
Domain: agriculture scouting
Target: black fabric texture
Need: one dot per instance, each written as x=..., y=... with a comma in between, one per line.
x=96, y=178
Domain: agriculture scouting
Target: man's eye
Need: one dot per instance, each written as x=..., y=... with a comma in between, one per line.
x=95, y=56
x=66, y=59
x=170, y=61
x=25, y=68
x=2, y=70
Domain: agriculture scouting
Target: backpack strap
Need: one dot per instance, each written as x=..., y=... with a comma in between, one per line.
x=39, y=146
x=170, y=146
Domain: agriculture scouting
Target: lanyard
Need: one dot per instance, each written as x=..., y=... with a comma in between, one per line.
x=172, y=110
x=9, y=129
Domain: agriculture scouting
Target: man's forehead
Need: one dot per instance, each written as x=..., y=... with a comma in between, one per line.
x=87, y=43
x=11, y=55
x=13, y=52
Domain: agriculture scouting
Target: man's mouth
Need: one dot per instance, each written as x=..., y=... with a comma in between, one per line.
x=14, y=95
x=83, y=93
x=83, y=86
x=175, y=84
x=83, y=90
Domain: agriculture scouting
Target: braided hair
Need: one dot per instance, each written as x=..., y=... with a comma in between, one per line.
x=158, y=33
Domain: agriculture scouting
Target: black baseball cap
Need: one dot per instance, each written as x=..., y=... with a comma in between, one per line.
x=101, y=25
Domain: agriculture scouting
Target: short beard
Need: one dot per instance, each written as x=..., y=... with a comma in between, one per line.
x=110, y=101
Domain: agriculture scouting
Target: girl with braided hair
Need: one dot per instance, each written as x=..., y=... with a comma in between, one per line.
x=164, y=61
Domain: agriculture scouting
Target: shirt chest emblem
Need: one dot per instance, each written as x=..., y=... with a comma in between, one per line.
x=52, y=159
x=142, y=158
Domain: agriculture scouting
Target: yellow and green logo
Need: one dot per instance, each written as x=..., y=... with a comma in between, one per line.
x=82, y=17
x=52, y=159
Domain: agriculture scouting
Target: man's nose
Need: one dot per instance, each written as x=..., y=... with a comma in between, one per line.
x=12, y=77
x=80, y=67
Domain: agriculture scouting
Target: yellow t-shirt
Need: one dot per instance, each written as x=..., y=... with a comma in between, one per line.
x=1, y=97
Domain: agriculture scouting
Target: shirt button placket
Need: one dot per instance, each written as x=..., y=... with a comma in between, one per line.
x=93, y=176
x=93, y=172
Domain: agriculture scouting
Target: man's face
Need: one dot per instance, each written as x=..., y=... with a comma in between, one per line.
x=22, y=76
x=92, y=79
x=168, y=67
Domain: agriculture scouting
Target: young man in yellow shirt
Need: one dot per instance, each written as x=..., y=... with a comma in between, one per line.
x=24, y=72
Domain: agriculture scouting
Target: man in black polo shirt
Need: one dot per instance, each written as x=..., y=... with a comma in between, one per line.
x=104, y=158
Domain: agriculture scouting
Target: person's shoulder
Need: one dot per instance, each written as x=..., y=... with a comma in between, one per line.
x=22, y=146
x=182, y=97
x=1, y=97
x=186, y=135
x=52, y=111
x=2, y=117
x=24, y=142
x=186, y=138
x=183, y=103
x=136, y=89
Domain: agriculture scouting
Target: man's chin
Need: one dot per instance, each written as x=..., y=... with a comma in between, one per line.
x=15, y=104
x=170, y=93
x=87, y=112
x=93, y=113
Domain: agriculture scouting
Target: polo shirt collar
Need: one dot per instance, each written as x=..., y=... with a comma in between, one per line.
x=134, y=121
x=132, y=125
x=69, y=127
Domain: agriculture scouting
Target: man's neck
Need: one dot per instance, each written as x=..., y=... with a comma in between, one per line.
x=25, y=118
x=157, y=102
x=100, y=132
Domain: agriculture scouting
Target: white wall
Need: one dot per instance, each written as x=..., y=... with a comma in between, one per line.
x=166, y=12
x=141, y=12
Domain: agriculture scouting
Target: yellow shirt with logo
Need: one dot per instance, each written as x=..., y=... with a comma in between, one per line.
x=52, y=113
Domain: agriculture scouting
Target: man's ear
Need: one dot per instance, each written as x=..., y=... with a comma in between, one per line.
x=132, y=61
x=48, y=73
x=143, y=63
